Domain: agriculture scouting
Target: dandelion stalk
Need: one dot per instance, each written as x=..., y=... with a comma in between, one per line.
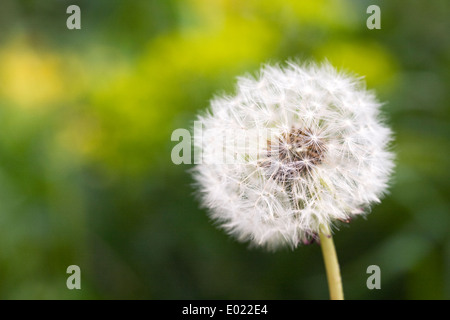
x=331, y=264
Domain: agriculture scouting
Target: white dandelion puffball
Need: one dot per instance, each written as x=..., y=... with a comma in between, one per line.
x=298, y=147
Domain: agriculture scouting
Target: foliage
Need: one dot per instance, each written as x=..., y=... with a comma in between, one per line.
x=85, y=170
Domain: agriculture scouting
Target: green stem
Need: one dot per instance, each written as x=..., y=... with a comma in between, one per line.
x=331, y=264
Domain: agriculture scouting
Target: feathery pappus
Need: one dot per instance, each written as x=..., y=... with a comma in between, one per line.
x=294, y=148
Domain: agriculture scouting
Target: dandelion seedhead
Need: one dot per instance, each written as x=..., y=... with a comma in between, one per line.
x=298, y=147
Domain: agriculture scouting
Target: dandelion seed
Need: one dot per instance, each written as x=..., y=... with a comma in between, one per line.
x=318, y=154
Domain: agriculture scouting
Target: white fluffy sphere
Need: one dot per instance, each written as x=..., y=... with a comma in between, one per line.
x=295, y=148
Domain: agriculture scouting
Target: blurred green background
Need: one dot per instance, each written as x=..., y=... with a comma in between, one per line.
x=86, y=118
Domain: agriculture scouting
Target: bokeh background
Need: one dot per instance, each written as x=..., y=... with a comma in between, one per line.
x=86, y=118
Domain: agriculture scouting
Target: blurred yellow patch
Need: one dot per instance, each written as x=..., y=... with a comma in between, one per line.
x=325, y=13
x=30, y=78
x=211, y=51
x=78, y=134
x=368, y=59
x=321, y=13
